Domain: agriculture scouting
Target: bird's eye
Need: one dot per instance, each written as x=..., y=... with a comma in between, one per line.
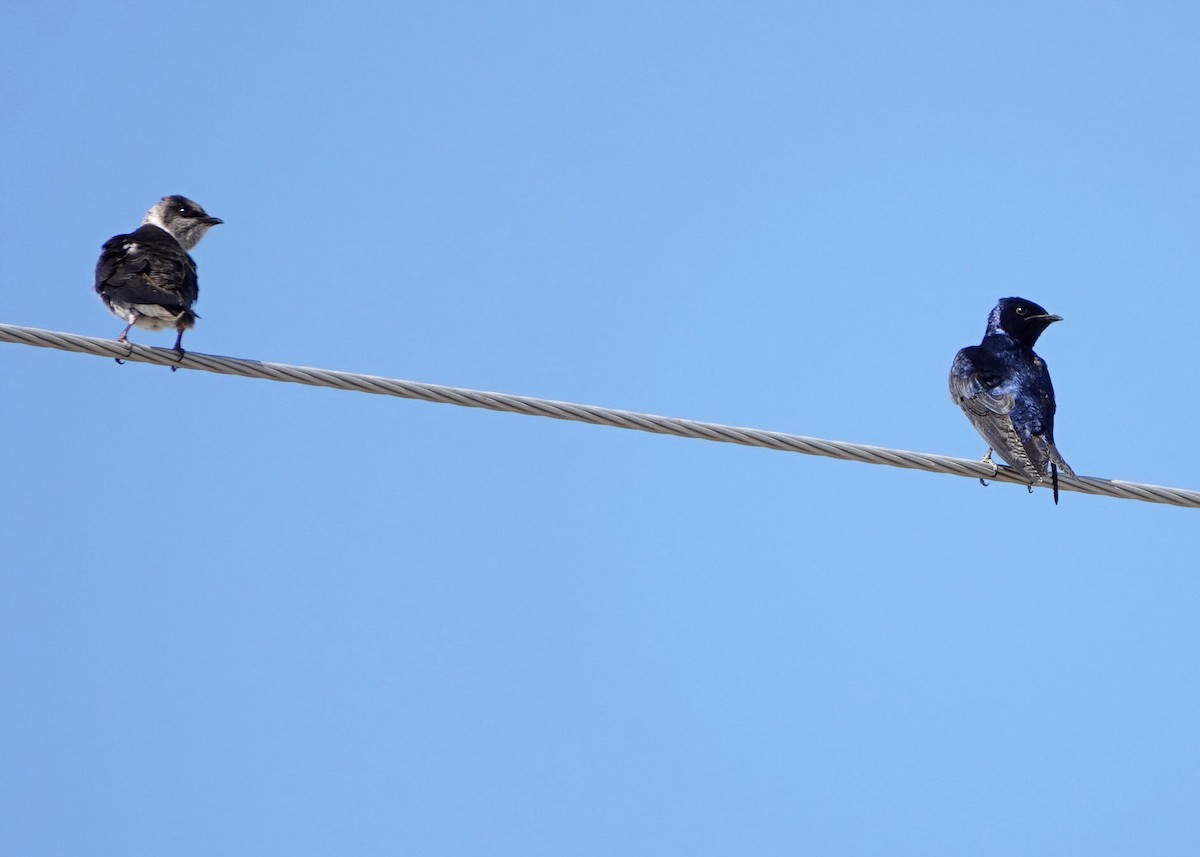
x=1020, y=310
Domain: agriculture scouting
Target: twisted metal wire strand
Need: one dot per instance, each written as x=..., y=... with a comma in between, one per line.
x=592, y=414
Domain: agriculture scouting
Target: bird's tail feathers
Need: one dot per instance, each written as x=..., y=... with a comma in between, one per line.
x=1057, y=461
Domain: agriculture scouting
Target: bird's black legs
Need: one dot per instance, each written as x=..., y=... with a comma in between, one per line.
x=179, y=348
x=124, y=337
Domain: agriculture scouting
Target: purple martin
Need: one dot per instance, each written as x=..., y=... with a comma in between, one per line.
x=147, y=278
x=1004, y=389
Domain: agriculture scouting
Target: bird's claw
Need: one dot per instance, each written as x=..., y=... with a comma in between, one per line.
x=121, y=339
x=987, y=459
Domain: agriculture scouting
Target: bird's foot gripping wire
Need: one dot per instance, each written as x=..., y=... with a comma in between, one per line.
x=987, y=459
x=124, y=339
x=178, y=350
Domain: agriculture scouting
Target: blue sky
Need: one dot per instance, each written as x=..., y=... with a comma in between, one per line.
x=241, y=617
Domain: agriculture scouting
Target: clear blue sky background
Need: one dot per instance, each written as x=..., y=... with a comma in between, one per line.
x=240, y=617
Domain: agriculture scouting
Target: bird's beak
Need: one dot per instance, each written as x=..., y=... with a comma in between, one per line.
x=1049, y=319
x=213, y=221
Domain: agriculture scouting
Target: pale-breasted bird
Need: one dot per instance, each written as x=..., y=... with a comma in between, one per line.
x=147, y=278
x=1004, y=389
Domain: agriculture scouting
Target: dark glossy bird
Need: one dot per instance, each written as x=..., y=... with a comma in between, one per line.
x=1004, y=389
x=147, y=278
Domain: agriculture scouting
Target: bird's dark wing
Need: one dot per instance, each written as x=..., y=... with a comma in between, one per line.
x=973, y=380
x=147, y=267
x=977, y=386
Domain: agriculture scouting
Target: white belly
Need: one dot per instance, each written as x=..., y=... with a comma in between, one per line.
x=147, y=316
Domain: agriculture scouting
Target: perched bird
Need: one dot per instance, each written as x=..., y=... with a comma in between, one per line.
x=1004, y=389
x=147, y=278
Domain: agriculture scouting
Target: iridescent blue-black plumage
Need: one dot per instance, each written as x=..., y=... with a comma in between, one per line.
x=1004, y=389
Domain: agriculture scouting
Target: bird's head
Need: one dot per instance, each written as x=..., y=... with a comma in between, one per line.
x=184, y=219
x=1021, y=319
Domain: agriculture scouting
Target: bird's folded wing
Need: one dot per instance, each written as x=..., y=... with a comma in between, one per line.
x=971, y=386
x=970, y=391
x=129, y=272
